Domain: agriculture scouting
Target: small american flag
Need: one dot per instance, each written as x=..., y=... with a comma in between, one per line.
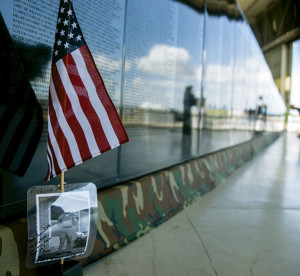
x=82, y=120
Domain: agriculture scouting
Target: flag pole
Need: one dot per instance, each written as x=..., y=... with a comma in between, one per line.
x=62, y=182
x=62, y=188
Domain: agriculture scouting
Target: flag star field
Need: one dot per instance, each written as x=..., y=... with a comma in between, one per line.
x=68, y=36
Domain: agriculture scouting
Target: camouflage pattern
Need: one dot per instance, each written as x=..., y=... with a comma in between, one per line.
x=127, y=212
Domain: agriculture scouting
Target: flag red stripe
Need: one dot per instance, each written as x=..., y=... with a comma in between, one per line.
x=103, y=95
x=54, y=161
x=70, y=116
x=60, y=137
x=86, y=105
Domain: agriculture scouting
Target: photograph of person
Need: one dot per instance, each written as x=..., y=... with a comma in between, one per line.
x=63, y=221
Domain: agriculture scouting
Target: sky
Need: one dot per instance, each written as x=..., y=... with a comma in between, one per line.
x=295, y=85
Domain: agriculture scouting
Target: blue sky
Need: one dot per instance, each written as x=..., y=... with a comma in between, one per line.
x=295, y=86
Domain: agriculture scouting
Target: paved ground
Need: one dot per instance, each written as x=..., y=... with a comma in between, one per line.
x=250, y=225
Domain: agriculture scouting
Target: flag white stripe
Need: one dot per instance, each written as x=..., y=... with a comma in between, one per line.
x=64, y=125
x=95, y=101
x=78, y=112
x=60, y=161
x=51, y=163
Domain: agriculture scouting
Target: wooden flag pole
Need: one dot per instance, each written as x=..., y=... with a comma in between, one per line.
x=62, y=188
x=62, y=182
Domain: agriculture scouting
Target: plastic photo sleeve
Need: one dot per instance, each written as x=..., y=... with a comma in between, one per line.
x=60, y=224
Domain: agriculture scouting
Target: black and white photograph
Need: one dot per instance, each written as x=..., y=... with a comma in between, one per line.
x=63, y=225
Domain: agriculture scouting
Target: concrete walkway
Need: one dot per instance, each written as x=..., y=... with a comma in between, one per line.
x=249, y=225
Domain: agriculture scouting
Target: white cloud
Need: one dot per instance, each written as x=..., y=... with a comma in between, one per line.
x=252, y=64
x=128, y=65
x=295, y=88
x=107, y=64
x=163, y=60
x=159, y=84
x=216, y=73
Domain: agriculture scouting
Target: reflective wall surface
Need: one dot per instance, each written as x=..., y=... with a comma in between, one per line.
x=187, y=80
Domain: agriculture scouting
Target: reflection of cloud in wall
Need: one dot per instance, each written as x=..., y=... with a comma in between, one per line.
x=199, y=73
x=252, y=64
x=162, y=86
x=217, y=73
x=153, y=93
x=159, y=58
x=128, y=65
x=172, y=70
x=158, y=84
x=107, y=64
x=295, y=92
x=151, y=105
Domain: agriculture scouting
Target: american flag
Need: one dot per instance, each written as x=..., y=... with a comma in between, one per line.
x=82, y=120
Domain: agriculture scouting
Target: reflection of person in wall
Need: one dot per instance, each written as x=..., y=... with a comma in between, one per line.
x=264, y=115
x=262, y=112
x=68, y=223
x=188, y=101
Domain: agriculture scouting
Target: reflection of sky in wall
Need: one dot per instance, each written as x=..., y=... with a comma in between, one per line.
x=219, y=38
x=190, y=31
x=41, y=36
x=219, y=61
x=189, y=38
x=173, y=31
x=152, y=24
x=150, y=40
x=295, y=85
x=232, y=43
x=164, y=48
x=239, y=100
x=6, y=8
